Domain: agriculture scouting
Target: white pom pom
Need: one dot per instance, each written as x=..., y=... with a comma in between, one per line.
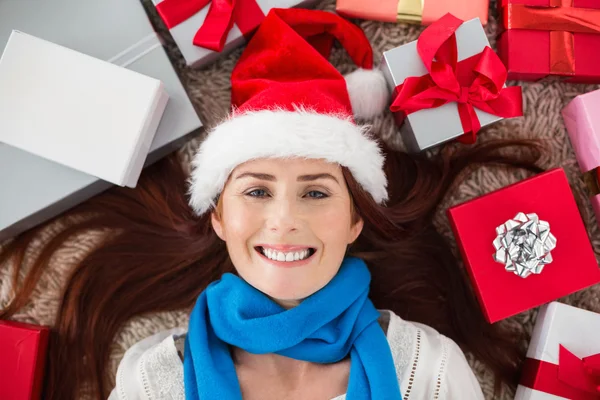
x=369, y=94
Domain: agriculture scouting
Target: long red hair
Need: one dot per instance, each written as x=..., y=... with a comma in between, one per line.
x=158, y=256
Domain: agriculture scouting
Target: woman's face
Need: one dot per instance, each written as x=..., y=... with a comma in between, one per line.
x=287, y=224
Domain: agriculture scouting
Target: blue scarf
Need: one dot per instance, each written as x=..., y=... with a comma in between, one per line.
x=325, y=327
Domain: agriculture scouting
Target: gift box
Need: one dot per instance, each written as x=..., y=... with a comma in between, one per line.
x=23, y=356
x=205, y=30
x=34, y=189
x=466, y=92
x=557, y=38
x=583, y=126
x=423, y=12
x=524, y=245
x=563, y=359
x=50, y=107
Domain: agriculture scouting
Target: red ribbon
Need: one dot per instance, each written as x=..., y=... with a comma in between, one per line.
x=573, y=378
x=476, y=82
x=222, y=14
x=562, y=20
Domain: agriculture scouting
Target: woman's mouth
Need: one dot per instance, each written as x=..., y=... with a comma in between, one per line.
x=298, y=256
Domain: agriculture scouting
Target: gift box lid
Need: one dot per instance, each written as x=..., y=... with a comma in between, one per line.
x=502, y=293
x=23, y=353
x=77, y=110
x=582, y=120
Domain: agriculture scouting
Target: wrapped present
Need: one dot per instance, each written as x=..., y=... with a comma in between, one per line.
x=556, y=38
x=448, y=84
x=583, y=126
x=207, y=29
x=524, y=245
x=423, y=12
x=36, y=190
x=563, y=359
x=22, y=360
x=50, y=107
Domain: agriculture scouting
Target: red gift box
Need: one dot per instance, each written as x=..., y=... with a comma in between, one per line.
x=22, y=360
x=502, y=293
x=551, y=37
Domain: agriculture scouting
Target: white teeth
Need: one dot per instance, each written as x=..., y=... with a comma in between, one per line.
x=287, y=257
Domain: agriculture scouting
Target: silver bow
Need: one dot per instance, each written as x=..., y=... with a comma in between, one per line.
x=524, y=244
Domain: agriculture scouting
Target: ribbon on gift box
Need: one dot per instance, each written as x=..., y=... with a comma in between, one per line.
x=477, y=82
x=410, y=10
x=573, y=378
x=222, y=14
x=562, y=19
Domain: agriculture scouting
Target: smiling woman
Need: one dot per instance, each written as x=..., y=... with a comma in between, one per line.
x=306, y=253
x=303, y=210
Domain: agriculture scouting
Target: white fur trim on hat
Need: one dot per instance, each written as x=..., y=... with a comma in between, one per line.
x=279, y=134
x=368, y=91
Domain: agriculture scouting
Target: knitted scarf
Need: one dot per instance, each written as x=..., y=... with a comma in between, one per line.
x=325, y=327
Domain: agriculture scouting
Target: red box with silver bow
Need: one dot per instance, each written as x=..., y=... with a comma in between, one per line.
x=207, y=29
x=448, y=84
x=524, y=245
x=563, y=359
x=551, y=38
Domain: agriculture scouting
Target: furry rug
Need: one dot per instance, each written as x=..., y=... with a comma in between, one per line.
x=209, y=89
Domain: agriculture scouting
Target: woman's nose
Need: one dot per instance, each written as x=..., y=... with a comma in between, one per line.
x=282, y=217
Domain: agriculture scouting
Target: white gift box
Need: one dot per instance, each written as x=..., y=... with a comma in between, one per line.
x=558, y=324
x=195, y=56
x=77, y=110
x=35, y=190
x=430, y=127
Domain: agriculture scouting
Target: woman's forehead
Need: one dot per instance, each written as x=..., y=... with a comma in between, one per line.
x=285, y=166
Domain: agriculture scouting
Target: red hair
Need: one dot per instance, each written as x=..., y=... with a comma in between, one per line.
x=159, y=256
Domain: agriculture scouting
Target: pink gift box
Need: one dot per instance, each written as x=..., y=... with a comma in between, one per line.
x=582, y=120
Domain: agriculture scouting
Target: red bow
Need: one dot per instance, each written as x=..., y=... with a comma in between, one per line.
x=476, y=82
x=574, y=378
x=221, y=16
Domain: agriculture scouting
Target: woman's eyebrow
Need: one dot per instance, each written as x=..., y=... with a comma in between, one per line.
x=264, y=177
x=314, y=177
x=301, y=178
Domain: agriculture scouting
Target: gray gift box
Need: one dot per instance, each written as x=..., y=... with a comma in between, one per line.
x=195, y=56
x=428, y=128
x=34, y=190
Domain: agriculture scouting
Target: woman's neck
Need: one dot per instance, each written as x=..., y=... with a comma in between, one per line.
x=280, y=367
x=275, y=376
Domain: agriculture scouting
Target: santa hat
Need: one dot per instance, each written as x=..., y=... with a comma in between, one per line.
x=289, y=101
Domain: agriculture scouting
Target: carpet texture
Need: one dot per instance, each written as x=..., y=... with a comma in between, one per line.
x=209, y=89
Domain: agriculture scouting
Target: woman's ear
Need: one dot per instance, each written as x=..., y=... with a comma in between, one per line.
x=217, y=225
x=356, y=229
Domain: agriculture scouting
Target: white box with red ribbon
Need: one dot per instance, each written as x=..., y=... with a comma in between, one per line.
x=204, y=30
x=563, y=360
x=448, y=84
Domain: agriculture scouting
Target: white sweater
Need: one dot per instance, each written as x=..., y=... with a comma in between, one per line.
x=428, y=365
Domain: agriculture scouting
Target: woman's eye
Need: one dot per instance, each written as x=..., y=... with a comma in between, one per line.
x=315, y=194
x=257, y=193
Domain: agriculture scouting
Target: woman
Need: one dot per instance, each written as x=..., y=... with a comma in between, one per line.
x=305, y=251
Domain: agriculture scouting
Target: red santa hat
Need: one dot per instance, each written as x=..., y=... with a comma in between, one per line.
x=289, y=101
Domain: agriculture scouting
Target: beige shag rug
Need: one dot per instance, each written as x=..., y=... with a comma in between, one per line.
x=209, y=89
